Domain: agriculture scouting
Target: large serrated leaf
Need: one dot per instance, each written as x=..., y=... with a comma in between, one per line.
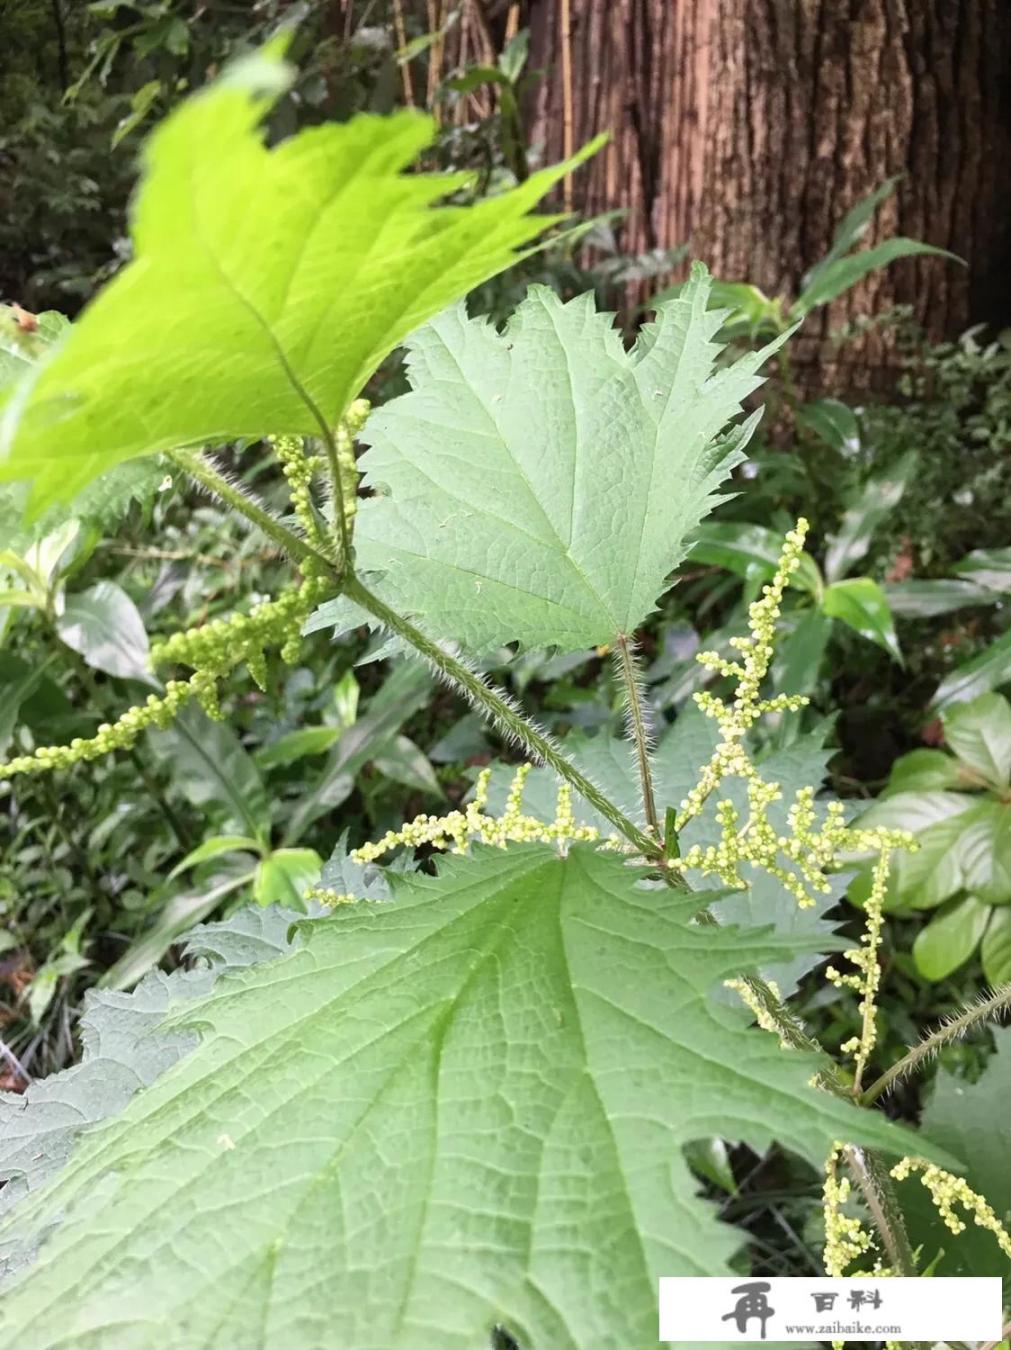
x=121, y=1052
x=461, y=1110
x=267, y=284
x=541, y=484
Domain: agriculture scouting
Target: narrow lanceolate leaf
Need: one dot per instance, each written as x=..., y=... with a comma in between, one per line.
x=540, y=484
x=266, y=286
x=462, y=1110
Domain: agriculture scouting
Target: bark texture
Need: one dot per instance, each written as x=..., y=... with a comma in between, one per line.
x=746, y=128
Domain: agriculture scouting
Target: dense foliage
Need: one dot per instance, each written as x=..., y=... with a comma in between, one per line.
x=469, y=1098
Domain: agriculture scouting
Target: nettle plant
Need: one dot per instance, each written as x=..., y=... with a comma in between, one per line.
x=452, y=1109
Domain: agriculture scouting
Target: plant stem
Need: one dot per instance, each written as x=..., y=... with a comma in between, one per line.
x=958, y=1026
x=496, y=706
x=214, y=481
x=638, y=728
x=876, y=1186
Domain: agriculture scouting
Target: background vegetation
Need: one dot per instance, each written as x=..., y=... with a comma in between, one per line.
x=901, y=621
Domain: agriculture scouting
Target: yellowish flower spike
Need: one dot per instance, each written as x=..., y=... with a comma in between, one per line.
x=946, y=1191
x=846, y=1238
x=455, y=830
x=867, y=980
x=799, y=858
x=213, y=650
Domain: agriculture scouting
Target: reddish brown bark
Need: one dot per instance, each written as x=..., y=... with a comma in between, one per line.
x=746, y=128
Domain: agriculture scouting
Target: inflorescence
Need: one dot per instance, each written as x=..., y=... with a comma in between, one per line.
x=214, y=649
x=946, y=1191
x=455, y=831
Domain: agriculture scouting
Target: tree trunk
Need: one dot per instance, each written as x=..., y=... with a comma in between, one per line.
x=746, y=128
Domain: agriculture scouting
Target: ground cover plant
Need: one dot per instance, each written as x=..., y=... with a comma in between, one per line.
x=448, y=1087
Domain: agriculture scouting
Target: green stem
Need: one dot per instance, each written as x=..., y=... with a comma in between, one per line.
x=497, y=707
x=638, y=730
x=958, y=1026
x=210, y=478
x=875, y=1184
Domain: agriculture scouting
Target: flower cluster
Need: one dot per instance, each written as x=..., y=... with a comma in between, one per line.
x=867, y=977
x=213, y=650
x=217, y=647
x=800, y=857
x=120, y=735
x=455, y=831
x=299, y=469
x=946, y=1191
x=348, y=428
x=846, y=1238
x=736, y=719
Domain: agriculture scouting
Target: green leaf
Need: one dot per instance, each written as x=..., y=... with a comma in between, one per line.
x=852, y=228
x=995, y=951
x=797, y=664
x=513, y=56
x=403, y=762
x=924, y=771
x=119, y=1053
x=296, y=745
x=834, y=422
x=839, y=275
x=990, y=567
x=989, y=670
x=214, y=848
x=751, y=551
x=210, y=767
x=979, y=733
x=175, y=919
x=463, y=1109
x=925, y=599
x=104, y=626
x=266, y=284
x=403, y=692
x=541, y=484
x=950, y=938
x=876, y=500
x=984, y=852
x=923, y=878
x=18, y=681
x=283, y=877
x=860, y=603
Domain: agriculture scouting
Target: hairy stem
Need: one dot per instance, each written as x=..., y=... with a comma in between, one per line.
x=214, y=481
x=638, y=729
x=951, y=1031
x=871, y=1175
x=497, y=707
